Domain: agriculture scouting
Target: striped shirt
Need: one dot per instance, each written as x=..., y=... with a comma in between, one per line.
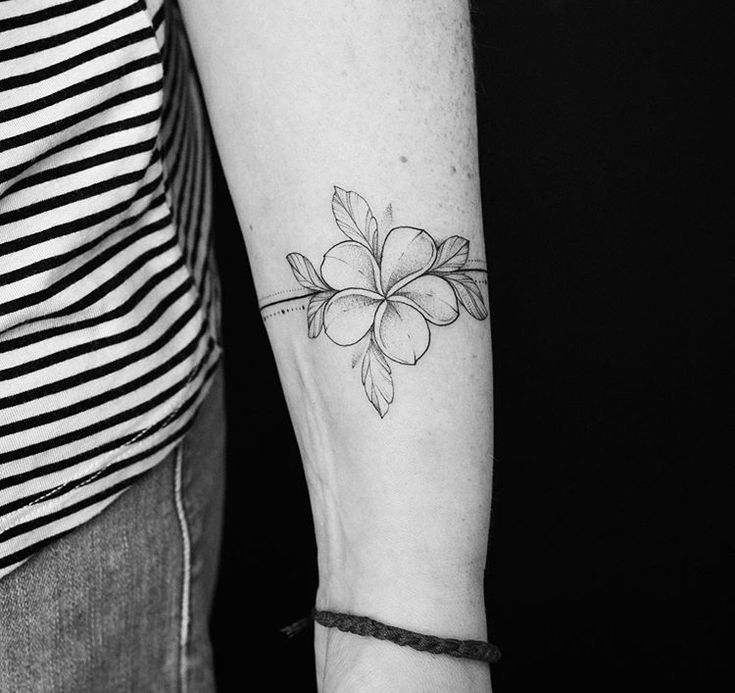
x=109, y=298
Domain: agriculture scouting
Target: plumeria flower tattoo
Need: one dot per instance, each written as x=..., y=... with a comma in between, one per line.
x=382, y=290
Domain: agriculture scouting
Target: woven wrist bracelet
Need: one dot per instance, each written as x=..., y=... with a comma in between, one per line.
x=362, y=625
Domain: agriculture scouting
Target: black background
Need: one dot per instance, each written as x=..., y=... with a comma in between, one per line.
x=604, y=551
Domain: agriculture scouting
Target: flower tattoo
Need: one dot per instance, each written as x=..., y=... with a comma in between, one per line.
x=382, y=289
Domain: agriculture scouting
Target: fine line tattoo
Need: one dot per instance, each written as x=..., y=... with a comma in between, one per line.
x=380, y=289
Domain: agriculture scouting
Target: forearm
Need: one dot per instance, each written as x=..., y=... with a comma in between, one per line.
x=378, y=98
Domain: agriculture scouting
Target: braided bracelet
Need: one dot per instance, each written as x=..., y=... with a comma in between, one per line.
x=362, y=625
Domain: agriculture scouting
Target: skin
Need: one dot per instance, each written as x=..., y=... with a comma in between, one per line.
x=375, y=96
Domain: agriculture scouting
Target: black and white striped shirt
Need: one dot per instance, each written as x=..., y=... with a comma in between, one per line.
x=109, y=300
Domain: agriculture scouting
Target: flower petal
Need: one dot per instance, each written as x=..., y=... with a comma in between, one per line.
x=407, y=253
x=401, y=332
x=432, y=296
x=350, y=265
x=349, y=315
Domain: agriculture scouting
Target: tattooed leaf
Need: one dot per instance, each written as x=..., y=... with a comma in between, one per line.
x=376, y=379
x=362, y=346
x=452, y=255
x=305, y=273
x=315, y=312
x=468, y=293
x=354, y=217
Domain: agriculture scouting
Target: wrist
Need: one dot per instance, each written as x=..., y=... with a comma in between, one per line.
x=417, y=583
x=348, y=663
x=437, y=608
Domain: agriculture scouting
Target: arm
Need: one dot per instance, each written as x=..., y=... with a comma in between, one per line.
x=375, y=97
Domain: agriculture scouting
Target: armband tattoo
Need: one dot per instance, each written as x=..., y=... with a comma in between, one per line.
x=380, y=290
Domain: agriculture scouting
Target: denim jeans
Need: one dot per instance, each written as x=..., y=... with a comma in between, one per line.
x=122, y=603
